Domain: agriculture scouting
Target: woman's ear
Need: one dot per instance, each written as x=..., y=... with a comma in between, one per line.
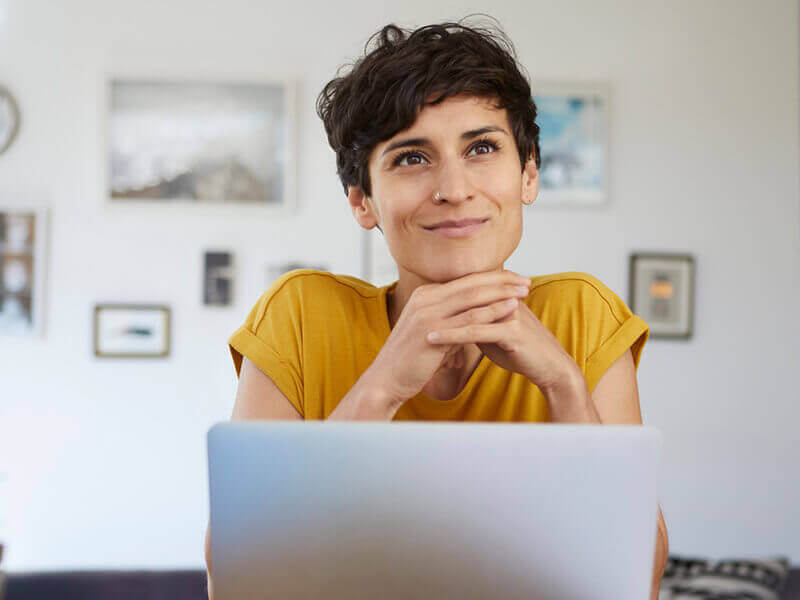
x=362, y=207
x=530, y=181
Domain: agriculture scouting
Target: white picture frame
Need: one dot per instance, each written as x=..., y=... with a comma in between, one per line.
x=23, y=266
x=131, y=330
x=573, y=139
x=179, y=106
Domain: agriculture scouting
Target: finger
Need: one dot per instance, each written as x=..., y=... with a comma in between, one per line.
x=439, y=293
x=482, y=314
x=481, y=297
x=472, y=334
x=458, y=286
x=449, y=356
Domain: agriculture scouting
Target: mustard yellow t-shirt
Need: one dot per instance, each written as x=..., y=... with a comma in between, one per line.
x=314, y=333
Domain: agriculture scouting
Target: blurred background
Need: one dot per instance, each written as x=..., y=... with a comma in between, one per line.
x=102, y=460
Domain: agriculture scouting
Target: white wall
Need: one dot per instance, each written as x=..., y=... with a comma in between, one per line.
x=105, y=461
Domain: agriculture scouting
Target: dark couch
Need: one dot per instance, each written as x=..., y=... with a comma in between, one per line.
x=792, y=589
x=155, y=585
x=107, y=585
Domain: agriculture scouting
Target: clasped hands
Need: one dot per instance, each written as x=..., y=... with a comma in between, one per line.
x=479, y=308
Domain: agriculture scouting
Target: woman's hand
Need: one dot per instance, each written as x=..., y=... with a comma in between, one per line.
x=518, y=342
x=407, y=361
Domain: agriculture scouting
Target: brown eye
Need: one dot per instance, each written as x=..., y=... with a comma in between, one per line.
x=486, y=147
x=412, y=158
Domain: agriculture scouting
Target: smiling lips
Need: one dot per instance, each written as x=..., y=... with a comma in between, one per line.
x=460, y=228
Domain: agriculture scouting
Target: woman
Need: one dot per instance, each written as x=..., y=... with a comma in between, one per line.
x=436, y=145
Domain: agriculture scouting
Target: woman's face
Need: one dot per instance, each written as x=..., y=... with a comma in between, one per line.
x=463, y=149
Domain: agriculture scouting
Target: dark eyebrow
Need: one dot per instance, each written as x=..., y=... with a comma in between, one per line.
x=467, y=135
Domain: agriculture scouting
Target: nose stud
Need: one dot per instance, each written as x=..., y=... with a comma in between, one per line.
x=437, y=196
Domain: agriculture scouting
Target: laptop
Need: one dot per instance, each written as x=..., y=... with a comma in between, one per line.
x=397, y=510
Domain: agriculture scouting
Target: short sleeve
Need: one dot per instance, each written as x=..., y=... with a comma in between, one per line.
x=611, y=328
x=271, y=337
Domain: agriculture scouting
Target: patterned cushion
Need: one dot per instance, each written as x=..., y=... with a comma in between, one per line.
x=732, y=579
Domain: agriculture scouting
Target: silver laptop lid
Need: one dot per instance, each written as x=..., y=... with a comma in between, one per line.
x=433, y=510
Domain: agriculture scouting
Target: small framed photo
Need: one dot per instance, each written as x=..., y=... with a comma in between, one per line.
x=377, y=264
x=217, y=278
x=131, y=331
x=661, y=290
x=573, y=142
x=191, y=143
x=22, y=269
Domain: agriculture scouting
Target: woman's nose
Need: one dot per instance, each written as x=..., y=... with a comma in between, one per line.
x=453, y=184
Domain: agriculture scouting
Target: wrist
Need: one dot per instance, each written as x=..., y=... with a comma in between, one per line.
x=379, y=394
x=569, y=401
x=563, y=380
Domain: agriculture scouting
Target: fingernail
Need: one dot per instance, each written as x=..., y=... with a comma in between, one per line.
x=522, y=290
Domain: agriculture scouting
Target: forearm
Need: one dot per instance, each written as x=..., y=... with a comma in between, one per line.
x=366, y=401
x=571, y=402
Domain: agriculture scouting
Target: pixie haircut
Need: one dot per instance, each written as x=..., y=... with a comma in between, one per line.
x=402, y=71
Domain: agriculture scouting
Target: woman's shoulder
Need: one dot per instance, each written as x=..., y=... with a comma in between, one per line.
x=315, y=280
x=571, y=281
x=302, y=288
x=576, y=290
x=565, y=278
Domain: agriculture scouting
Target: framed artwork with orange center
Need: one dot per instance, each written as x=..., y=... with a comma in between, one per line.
x=661, y=291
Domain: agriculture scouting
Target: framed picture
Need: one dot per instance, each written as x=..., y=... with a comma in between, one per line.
x=573, y=142
x=217, y=278
x=131, y=331
x=200, y=142
x=377, y=264
x=661, y=291
x=22, y=269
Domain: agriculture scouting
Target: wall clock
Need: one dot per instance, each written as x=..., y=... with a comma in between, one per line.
x=9, y=119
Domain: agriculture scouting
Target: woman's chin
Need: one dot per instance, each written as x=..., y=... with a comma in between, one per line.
x=451, y=272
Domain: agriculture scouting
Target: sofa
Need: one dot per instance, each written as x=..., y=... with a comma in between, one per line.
x=168, y=585
x=107, y=585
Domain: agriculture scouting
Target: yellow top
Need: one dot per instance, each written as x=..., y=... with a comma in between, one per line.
x=314, y=333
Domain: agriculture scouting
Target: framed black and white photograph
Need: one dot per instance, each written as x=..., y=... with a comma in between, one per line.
x=217, y=278
x=573, y=142
x=22, y=269
x=200, y=142
x=661, y=291
x=131, y=331
x=377, y=265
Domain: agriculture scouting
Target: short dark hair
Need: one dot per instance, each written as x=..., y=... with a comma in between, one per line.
x=406, y=70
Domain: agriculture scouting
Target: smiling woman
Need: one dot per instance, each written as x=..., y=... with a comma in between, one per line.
x=437, y=146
